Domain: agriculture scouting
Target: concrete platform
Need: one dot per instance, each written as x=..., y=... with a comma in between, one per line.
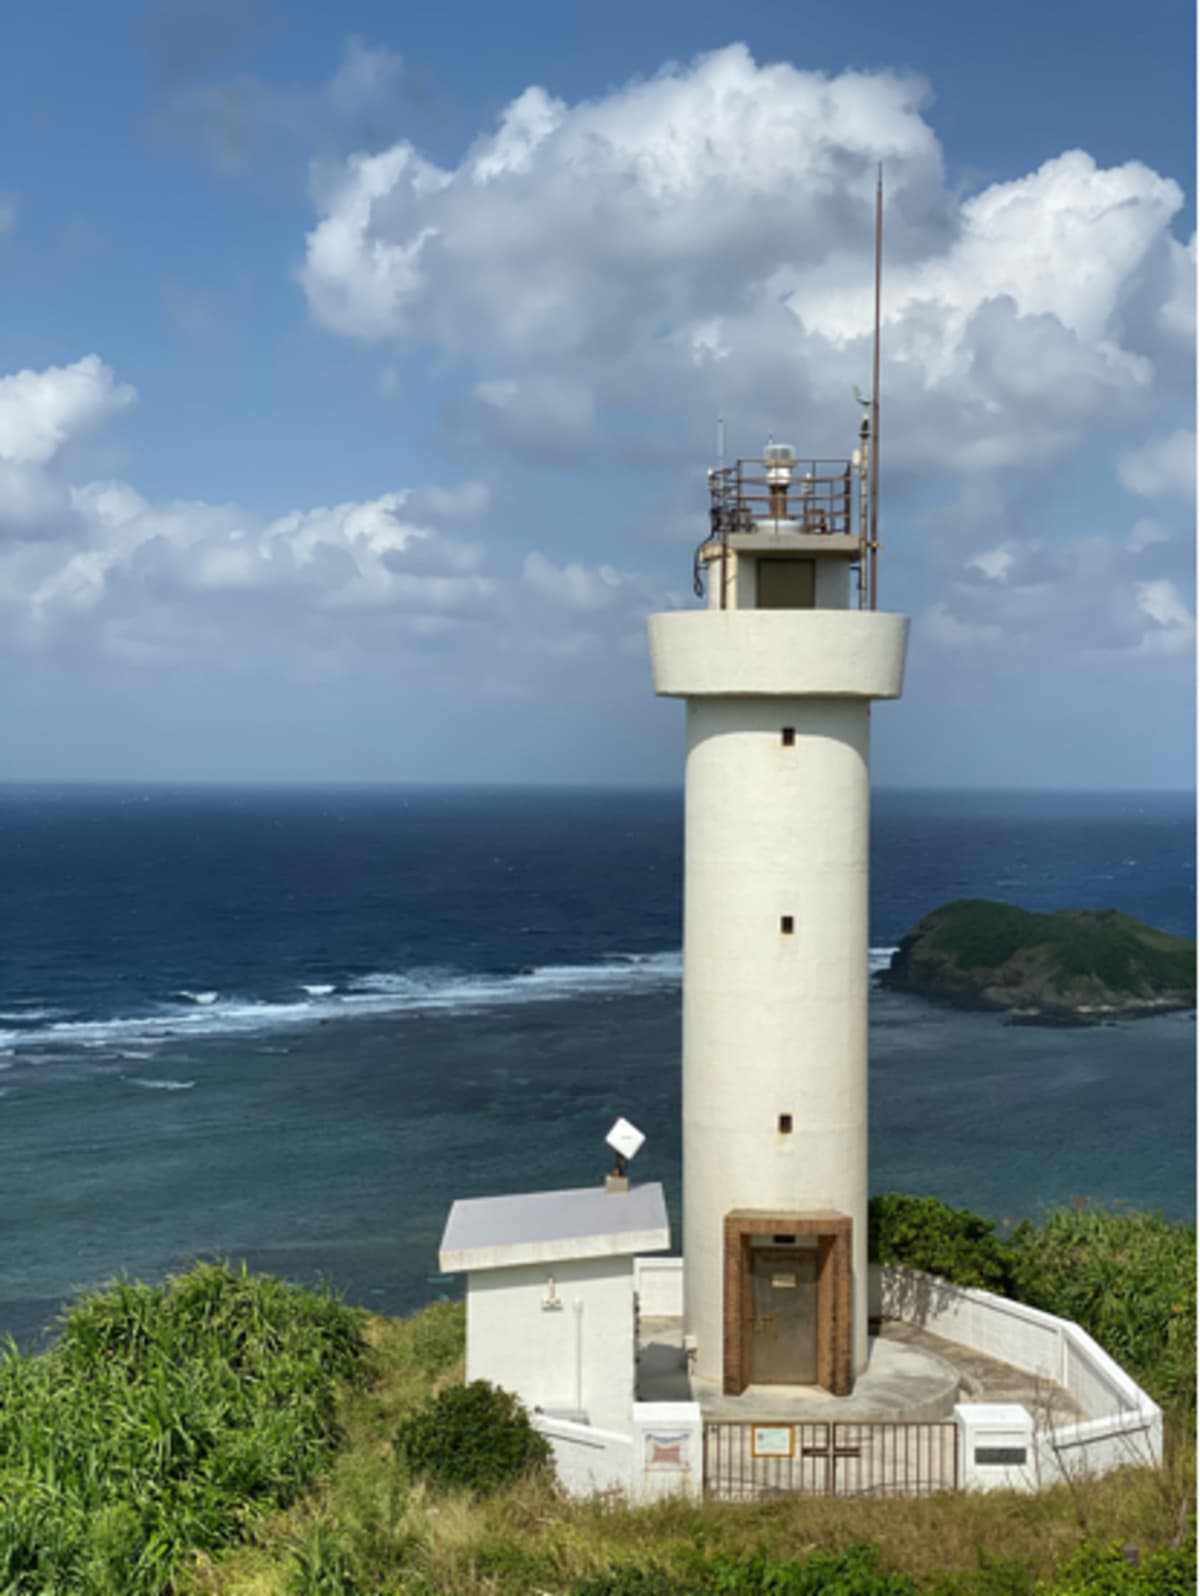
x=910, y=1375
x=900, y=1382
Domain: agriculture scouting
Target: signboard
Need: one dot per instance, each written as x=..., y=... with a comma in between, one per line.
x=667, y=1451
x=772, y=1440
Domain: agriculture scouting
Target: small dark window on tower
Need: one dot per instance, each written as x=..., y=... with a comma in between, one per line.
x=788, y=736
x=785, y=1124
x=787, y=924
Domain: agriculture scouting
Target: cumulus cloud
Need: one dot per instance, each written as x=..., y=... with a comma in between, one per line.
x=614, y=273
x=95, y=566
x=1173, y=626
x=945, y=630
x=39, y=410
x=701, y=242
x=1163, y=468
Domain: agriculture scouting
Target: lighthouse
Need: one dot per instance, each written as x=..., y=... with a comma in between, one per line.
x=778, y=671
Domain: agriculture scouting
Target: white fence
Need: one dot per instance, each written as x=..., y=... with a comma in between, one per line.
x=1121, y=1425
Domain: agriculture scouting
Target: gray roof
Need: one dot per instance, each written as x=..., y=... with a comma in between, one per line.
x=545, y=1226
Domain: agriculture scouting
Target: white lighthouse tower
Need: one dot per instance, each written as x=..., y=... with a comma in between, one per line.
x=779, y=672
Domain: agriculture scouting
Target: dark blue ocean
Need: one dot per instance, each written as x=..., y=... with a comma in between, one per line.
x=292, y=1026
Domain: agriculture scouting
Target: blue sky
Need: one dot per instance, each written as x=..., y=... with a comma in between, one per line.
x=361, y=362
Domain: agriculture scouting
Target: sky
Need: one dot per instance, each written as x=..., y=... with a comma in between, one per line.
x=360, y=367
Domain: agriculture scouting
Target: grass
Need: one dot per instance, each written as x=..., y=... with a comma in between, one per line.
x=226, y=1435
x=369, y=1528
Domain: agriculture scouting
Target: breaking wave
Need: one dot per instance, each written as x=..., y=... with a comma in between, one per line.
x=194, y=1015
x=417, y=991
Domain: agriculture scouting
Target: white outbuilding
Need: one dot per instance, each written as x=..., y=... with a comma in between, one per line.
x=550, y=1294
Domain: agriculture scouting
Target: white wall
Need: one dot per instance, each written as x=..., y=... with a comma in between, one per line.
x=1025, y=1337
x=659, y=1286
x=668, y=1455
x=578, y=1357
x=1122, y=1425
x=662, y=1456
x=588, y=1461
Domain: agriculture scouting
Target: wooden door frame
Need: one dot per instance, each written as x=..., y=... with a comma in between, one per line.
x=835, y=1339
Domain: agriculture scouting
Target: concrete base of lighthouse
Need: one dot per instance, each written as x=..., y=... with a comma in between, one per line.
x=898, y=1383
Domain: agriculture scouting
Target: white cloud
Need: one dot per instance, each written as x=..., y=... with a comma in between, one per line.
x=302, y=593
x=939, y=626
x=995, y=564
x=1164, y=468
x=1173, y=628
x=1146, y=533
x=576, y=586
x=40, y=409
x=701, y=242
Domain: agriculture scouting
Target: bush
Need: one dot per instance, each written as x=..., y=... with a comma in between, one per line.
x=1107, y=1571
x=165, y=1419
x=1128, y=1278
x=473, y=1437
x=926, y=1233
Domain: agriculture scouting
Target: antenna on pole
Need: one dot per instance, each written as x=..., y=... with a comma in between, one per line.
x=720, y=443
x=874, y=529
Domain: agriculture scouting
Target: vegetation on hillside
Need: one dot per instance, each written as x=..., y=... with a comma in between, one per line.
x=229, y=1435
x=165, y=1418
x=1000, y=956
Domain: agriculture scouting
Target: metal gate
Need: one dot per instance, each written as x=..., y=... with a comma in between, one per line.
x=744, y=1461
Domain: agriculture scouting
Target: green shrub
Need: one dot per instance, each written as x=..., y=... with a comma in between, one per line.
x=1128, y=1278
x=926, y=1233
x=474, y=1437
x=165, y=1419
x=1095, y=1571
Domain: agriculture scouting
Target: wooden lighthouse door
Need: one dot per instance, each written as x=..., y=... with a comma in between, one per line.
x=783, y=1318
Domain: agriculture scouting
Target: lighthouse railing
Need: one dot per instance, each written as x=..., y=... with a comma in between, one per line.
x=817, y=499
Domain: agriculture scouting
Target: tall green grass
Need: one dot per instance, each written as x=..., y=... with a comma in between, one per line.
x=165, y=1418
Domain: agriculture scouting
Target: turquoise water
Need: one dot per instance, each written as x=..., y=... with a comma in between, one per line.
x=295, y=1027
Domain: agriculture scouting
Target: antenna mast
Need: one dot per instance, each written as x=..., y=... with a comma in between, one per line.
x=874, y=544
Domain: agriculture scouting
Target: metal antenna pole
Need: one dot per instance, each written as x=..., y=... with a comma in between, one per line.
x=874, y=552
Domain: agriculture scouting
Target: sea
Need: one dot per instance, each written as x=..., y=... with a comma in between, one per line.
x=292, y=1026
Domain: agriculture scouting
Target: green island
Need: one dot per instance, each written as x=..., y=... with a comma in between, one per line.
x=229, y=1434
x=1073, y=967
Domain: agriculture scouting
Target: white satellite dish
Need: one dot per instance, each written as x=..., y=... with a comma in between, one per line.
x=625, y=1139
